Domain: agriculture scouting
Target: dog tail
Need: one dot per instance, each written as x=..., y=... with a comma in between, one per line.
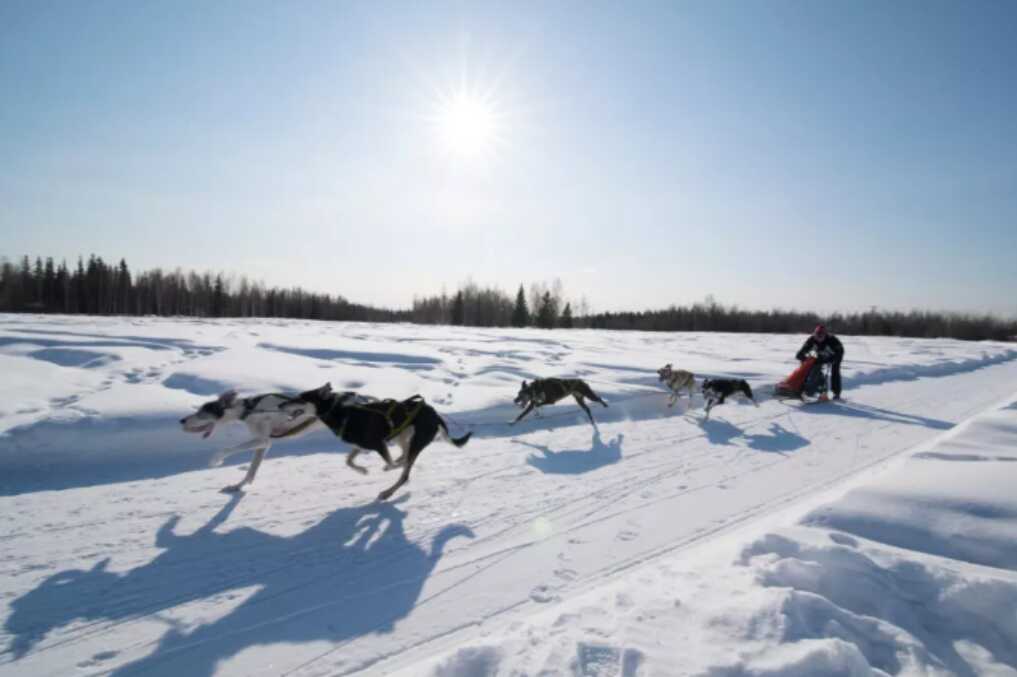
x=458, y=441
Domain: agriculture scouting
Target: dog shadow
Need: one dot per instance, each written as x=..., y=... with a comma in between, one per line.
x=576, y=461
x=777, y=439
x=352, y=573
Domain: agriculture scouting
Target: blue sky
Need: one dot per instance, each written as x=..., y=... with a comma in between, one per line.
x=815, y=155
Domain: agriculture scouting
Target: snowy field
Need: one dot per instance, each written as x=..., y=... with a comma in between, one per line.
x=865, y=537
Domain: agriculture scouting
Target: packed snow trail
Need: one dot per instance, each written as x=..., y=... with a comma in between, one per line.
x=911, y=570
x=139, y=566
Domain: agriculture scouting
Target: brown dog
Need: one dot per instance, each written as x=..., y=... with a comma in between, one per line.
x=677, y=380
x=546, y=391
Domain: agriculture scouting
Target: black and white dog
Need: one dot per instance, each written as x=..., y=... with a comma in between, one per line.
x=716, y=390
x=412, y=424
x=676, y=381
x=544, y=391
x=264, y=419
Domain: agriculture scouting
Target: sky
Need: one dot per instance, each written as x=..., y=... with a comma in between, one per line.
x=812, y=155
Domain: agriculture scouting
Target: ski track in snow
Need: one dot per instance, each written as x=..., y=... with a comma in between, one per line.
x=119, y=556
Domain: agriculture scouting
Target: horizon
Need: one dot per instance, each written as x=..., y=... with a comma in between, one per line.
x=232, y=280
x=817, y=158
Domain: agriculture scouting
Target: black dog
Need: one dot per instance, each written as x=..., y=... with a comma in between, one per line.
x=716, y=390
x=412, y=423
x=549, y=390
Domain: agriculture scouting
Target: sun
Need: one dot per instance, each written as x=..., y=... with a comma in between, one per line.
x=467, y=124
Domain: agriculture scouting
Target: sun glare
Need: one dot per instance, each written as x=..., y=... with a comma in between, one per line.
x=467, y=125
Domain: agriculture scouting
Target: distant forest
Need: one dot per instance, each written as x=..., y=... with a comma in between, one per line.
x=96, y=287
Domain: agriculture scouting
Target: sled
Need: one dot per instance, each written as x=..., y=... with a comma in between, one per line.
x=810, y=382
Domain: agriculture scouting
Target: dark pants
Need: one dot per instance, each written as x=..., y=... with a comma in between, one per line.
x=835, y=376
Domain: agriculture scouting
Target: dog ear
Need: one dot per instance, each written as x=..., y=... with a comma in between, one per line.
x=228, y=397
x=325, y=389
x=524, y=384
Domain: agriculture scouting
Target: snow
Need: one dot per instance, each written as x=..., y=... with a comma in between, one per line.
x=914, y=573
x=866, y=537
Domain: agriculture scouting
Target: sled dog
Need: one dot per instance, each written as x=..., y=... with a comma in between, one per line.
x=412, y=424
x=716, y=390
x=544, y=391
x=265, y=422
x=677, y=380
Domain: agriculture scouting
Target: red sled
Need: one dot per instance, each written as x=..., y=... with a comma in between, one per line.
x=799, y=381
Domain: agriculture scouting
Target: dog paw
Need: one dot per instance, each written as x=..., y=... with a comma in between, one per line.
x=384, y=496
x=216, y=461
x=231, y=489
x=362, y=471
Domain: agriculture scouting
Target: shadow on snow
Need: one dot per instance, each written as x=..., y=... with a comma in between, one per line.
x=858, y=410
x=404, y=360
x=575, y=461
x=777, y=439
x=351, y=574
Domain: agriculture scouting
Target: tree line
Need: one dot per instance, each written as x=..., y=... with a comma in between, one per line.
x=544, y=307
x=712, y=316
x=96, y=287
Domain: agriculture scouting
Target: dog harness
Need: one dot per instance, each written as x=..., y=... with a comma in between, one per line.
x=390, y=407
x=297, y=429
x=418, y=402
x=541, y=396
x=251, y=403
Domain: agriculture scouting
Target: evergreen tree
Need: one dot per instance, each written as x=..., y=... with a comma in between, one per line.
x=219, y=297
x=9, y=287
x=124, y=288
x=27, y=286
x=566, y=317
x=49, y=286
x=546, y=313
x=79, y=289
x=521, y=312
x=63, y=288
x=38, y=284
x=92, y=287
x=458, y=310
